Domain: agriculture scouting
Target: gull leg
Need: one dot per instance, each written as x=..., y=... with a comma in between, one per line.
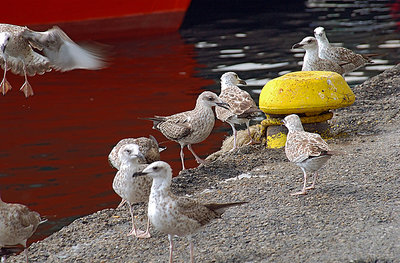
x=303, y=191
x=123, y=201
x=147, y=233
x=26, y=254
x=182, y=157
x=5, y=85
x=26, y=87
x=252, y=141
x=313, y=183
x=134, y=232
x=198, y=159
x=234, y=137
x=191, y=249
x=171, y=248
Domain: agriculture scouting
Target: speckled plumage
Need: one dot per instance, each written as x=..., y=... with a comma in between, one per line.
x=17, y=224
x=131, y=189
x=174, y=215
x=59, y=52
x=307, y=150
x=340, y=55
x=242, y=107
x=312, y=61
x=190, y=127
x=147, y=146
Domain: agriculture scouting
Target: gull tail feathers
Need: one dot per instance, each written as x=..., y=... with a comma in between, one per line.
x=221, y=208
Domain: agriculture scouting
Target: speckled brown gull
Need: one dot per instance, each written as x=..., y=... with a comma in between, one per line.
x=190, y=127
x=147, y=146
x=311, y=60
x=19, y=46
x=132, y=189
x=17, y=224
x=173, y=215
x=340, y=55
x=307, y=150
x=242, y=107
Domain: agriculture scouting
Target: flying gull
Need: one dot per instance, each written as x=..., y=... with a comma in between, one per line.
x=26, y=52
x=173, y=215
x=311, y=60
x=242, y=107
x=190, y=127
x=132, y=189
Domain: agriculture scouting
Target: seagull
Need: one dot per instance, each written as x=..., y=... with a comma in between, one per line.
x=147, y=146
x=307, y=150
x=340, y=55
x=242, y=107
x=17, y=224
x=132, y=189
x=190, y=127
x=19, y=52
x=173, y=215
x=311, y=60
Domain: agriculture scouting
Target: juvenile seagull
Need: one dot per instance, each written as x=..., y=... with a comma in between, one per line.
x=177, y=216
x=242, y=107
x=307, y=150
x=59, y=52
x=339, y=55
x=132, y=189
x=17, y=224
x=147, y=146
x=311, y=60
x=190, y=127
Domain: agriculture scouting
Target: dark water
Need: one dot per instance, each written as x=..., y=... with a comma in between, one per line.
x=54, y=145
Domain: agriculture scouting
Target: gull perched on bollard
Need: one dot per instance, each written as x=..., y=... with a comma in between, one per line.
x=190, y=127
x=340, y=55
x=20, y=47
x=173, y=215
x=312, y=61
x=242, y=107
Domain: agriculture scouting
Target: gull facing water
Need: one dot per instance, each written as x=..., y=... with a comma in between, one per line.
x=18, y=45
x=172, y=215
x=312, y=60
x=190, y=127
x=242, y=107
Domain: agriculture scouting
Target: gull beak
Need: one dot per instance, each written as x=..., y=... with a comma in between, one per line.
x=223, y=105
x=138, y=174
x=297, y=45
x=283, y=122
x=241, y=81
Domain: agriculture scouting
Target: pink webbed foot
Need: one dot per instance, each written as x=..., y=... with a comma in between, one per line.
x=303, y=192
x=5, y=86
x=139, y=233
x=27, y=89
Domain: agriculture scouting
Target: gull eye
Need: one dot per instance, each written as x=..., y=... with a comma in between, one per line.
x=210, y=98
x=128, y=151
x=155, y=168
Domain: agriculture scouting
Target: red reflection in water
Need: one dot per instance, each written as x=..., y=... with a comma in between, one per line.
x=54, y=145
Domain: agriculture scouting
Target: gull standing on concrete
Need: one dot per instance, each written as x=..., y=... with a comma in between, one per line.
x=311, y=60
x=17, y=224
x=307, y=150
x=339, y=55
x=242, y=107
x=190, y=127
x=147, y=146
x=177, y=216
x=17, y=46
x=132, y=189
